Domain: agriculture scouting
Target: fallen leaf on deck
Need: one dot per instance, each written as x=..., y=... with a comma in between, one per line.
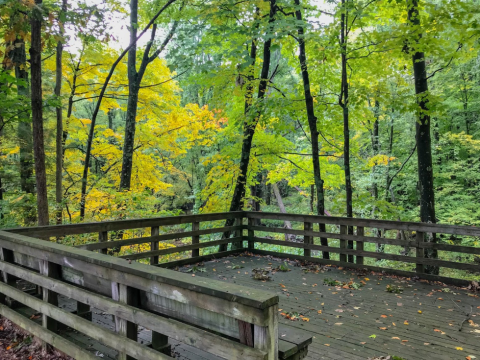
x=459, y=348
x=426, y=343
x=373, y=336
x=338, y=324
x=437, y=330
x=383, y=328
x=419, y=311
x=319, y=311
x=327, y=344
x=404, y=340
x=383, y=316
x=405, y=322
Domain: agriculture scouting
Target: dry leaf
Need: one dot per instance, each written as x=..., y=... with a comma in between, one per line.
x=338, y=324
x=459, y=348
x=319, y=311
x=405, y=322
x=437, y=330
x=326, y=344
x=404, y=340
x=396, y=338
x=383, y=316
x=383, y=328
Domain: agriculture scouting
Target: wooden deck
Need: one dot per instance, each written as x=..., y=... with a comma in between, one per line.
x=353, y=323
x=368, y=322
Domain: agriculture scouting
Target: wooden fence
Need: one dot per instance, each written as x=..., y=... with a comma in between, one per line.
x=350, y=232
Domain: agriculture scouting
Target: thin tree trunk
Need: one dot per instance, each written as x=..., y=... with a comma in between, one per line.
x=376, y=150
x=312, y=123
x=423, y=139
x=37, y=113
x=288, y=224
x=59, y=134
x=344, y=103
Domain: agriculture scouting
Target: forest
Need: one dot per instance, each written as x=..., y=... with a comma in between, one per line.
x=114, y=109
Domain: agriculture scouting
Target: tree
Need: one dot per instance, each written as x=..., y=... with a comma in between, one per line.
x=423, y=137
x=312, y=123
x=59, y=141
x=37, y=113
x=134, y=85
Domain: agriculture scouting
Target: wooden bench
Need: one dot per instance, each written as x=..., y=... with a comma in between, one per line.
x=292, y=345
x=292, y=342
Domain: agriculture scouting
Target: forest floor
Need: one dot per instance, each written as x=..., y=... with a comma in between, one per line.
x=17, y=344
x=360, y=315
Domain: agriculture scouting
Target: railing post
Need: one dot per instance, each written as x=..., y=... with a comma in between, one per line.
x=266, y=337
x=195, y=239
x=419, y=237
x=154, y=231
x=7, y=256
x=251, y=234
x=51, y=270
x=238, y=234
x=360, y=232
x=307, y=239
x=343, y=243
x=129, y=296
x=102, y=237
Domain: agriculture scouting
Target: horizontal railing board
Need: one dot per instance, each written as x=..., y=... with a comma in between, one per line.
x=372, y=223
x=328, y=235
x=164, y=237
x=121, y=271
x=99, y=333
x=448, y=247
x=371, y=254
x=86, y=228
x=46, y=335
x=179, y=331
x=188, y=261
x=177, y=249
x=429, y=277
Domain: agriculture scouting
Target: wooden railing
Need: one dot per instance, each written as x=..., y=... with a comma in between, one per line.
x=352, y=234
x=172, y=305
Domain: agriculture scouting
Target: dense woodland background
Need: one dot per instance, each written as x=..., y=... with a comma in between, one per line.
x=343, y=108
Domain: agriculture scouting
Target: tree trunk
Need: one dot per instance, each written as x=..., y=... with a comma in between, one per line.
x=376, y=150
x=37, y=113
x=312, y=123
x=132, y=104
x=288, y=224
x=344, y=103
x=423, y=139
x=24, y=130
x=59, y=133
